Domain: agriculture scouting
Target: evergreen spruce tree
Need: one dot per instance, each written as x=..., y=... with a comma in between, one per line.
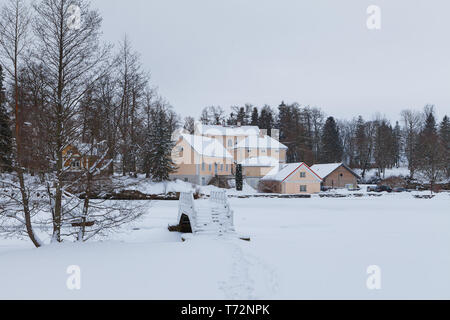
x=5, y=131
x=241, y=117
x=266, y=119
x=255, y=117
x=332, y=149
x=239, y=178
x=157, y=155
x=444, y=136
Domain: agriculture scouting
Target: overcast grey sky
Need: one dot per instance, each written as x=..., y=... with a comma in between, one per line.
x=314, y=52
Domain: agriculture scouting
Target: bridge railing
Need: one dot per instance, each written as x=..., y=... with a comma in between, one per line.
x=219, y=197
x=218, y=208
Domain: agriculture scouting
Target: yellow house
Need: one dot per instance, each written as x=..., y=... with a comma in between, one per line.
x=75, y=160
x=260, y=146
x=200, y=158
x=293, y=178
x=336, y=175
x=215, y=151
x=81, y=157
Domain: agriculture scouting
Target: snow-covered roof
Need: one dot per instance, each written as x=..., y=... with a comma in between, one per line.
x=211, y=130
x=263, y=161
x=258, y=142
x=283, y=172
x=207, y=146
x=324, y=170
x=87, y=149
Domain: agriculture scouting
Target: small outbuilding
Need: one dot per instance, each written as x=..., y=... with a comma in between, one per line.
x=336, y=175
x=292, y=178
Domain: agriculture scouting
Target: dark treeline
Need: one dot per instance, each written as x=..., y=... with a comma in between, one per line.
x=418, y=141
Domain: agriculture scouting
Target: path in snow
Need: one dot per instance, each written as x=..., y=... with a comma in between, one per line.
x=251, y=278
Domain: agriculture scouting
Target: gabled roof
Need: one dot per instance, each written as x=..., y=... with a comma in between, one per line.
x=207, y=147
x=212, y=130
x=257, y=142
x=282, y=173
x=324, y=170
x=263, y=161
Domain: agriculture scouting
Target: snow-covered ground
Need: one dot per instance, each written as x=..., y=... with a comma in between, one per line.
x=148, y=187
x=300, y=249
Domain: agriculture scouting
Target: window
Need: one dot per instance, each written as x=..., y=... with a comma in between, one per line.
x=303, y=188
x=210, y=167
x=226, y=168
x=302, y=174
x=203, y=166
x=221, y=167
x=186, y=180
x=230, y=143
x=76, y=164
x=203, y=181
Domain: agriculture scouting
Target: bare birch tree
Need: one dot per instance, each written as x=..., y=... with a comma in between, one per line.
x=14, y=29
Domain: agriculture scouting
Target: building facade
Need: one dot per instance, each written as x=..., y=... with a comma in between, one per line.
x=336, y=175
x=214, y=151
x=293, y=178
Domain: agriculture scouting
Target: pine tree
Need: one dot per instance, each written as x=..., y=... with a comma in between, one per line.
x=332, y=149
x=241, y=117
x=239, y=178
x=5, y=131
x=444, y=136
x=266, y=119
x=255, y=117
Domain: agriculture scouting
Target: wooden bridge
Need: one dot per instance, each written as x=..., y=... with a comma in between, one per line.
x=213, y=217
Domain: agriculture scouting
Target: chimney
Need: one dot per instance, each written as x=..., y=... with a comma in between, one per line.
x=276, y=134
x=262, y=133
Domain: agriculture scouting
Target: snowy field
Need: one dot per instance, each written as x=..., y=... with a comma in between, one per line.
x=300, y=249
